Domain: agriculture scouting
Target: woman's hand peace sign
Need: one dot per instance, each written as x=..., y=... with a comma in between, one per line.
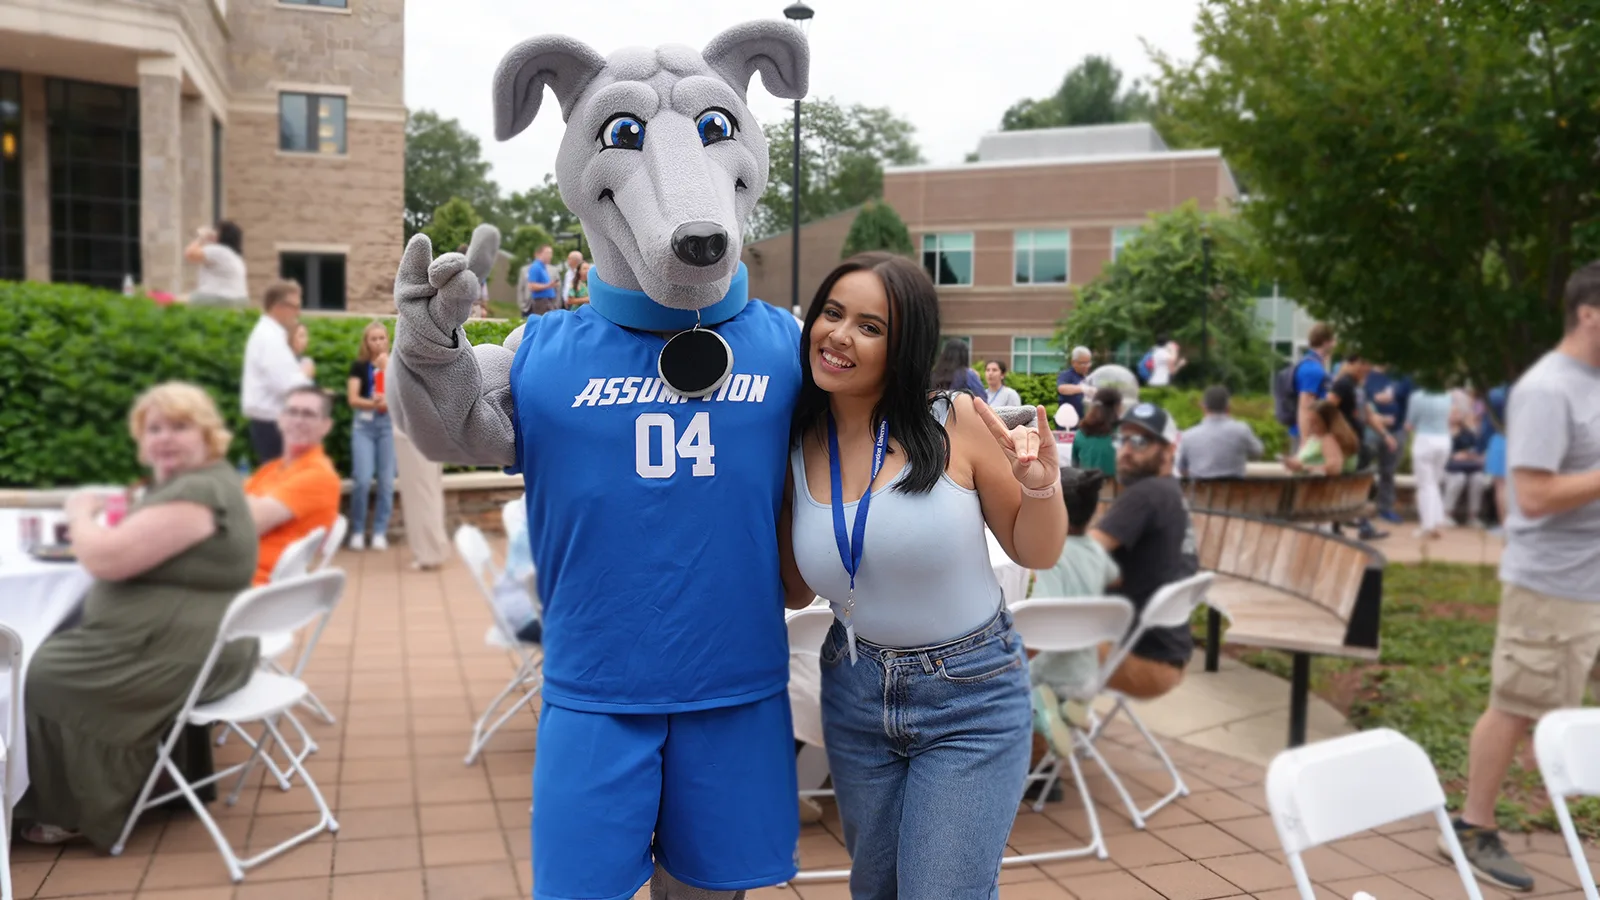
x=1032, y=451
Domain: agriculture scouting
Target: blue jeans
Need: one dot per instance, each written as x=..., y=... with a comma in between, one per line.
x=928, y=749
x=371, y=452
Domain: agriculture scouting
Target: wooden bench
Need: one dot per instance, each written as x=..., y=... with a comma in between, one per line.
x=1291, y=588
x=1294, y=498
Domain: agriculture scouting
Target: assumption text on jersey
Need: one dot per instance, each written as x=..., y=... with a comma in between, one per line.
x=741, y=388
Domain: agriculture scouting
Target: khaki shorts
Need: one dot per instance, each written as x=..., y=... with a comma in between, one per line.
x=1543, y=650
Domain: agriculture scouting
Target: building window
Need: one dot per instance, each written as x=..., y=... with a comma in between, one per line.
x=321, y=278
x=1035, y=356
x=1042, y=257
x=948, y=258
x=11, y=265
x=216, y=171
x=94, y=182
x=328, y=4
x=1120, y=236
x=311, y=123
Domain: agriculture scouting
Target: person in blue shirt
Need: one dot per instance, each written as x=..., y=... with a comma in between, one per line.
x=1069, y=384
x=1390, y=394
x=1492, y=444
x=539, y=284
x=1311, y=381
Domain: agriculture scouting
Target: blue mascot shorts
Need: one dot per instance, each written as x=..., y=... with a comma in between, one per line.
x=711, y=795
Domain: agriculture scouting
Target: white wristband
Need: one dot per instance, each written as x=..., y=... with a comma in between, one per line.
x=1040, y=494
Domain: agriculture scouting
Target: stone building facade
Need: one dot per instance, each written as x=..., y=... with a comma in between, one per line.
x=132, y=123
x=1010, y=237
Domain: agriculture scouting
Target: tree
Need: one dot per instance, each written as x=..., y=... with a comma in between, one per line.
x=1157, y=285
x=877, y=227
x=541, y=206
x=1423, y=172
x=443, y=161
x=451, y=225
x=842, y=154
x=1090, y=94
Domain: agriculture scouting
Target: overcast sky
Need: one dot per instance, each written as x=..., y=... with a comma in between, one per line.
x=950, y=69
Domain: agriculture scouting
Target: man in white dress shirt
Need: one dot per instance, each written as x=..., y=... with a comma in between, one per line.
x=270, y=369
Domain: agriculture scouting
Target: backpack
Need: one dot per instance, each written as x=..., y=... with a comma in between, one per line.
x=1285, y=399
x=1147, y=366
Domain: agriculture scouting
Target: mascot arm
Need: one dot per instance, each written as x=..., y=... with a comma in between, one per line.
x=453, y=400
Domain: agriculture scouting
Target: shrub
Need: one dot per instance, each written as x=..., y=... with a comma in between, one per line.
x=73, y=359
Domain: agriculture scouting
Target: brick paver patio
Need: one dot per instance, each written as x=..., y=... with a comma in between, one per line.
x=404, y=669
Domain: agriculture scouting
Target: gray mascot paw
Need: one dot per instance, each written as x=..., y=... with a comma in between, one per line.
x=435, y=296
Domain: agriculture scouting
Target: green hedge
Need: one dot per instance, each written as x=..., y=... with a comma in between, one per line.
x=73, y=359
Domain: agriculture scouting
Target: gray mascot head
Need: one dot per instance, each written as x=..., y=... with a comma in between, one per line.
x=662, y=160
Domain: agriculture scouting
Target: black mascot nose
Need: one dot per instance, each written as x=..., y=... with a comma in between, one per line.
x=700, y=243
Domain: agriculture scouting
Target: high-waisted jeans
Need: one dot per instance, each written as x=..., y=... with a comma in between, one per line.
x=928, y=749
x=371, y=454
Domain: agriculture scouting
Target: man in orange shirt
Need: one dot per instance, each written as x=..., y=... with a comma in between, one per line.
x=299, y=491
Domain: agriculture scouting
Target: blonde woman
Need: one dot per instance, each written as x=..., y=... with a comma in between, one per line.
x=101, y=695
x=371, y=439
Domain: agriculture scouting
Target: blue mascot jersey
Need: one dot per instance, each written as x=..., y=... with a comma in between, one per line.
x=653, y=518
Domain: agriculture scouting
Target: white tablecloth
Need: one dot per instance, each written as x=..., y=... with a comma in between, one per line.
x=805, y=679
x=35, y=598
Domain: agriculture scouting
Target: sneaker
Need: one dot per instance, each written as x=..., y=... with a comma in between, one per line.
x=1489, y=857
x=380, y=542
x=1047, y=720
x=1369, y=533
x=1391, y=517
x=358, y=542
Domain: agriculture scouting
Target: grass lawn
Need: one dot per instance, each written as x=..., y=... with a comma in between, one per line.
x=1432, y=682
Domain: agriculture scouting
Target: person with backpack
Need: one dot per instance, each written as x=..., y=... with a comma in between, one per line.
x=1297, y=388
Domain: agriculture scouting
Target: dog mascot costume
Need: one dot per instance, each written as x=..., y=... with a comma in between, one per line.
x=651, y=427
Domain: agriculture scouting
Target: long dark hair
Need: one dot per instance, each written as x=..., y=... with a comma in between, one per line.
x=231, y=236
x=1101, y=416
x=913, y=333
x=954, y=360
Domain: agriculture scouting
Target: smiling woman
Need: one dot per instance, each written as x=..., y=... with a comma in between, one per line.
x=935, y=645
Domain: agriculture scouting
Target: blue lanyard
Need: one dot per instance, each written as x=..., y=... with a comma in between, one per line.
x=852, y=546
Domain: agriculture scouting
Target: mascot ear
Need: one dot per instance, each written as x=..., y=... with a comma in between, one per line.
x=565, y=64
x=777, y=49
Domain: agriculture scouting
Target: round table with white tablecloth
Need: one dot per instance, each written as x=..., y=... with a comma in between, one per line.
x=36, y=598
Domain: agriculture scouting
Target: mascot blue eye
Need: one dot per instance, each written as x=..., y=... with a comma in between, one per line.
x=715, y=125
x=623, y=133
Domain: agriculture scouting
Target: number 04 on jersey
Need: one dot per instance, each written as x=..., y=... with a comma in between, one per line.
x=658, y=446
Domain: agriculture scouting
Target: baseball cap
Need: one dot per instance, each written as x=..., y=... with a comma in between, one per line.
x=1153, y=419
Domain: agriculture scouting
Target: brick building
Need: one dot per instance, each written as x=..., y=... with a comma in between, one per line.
x=125, y=125
x=1009, y=237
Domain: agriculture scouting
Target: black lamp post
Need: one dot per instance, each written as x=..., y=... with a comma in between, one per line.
x=800, y=14
x=1205, y=306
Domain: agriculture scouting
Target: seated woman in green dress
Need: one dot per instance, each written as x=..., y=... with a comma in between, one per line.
x=102, y=695
x=1331, y=448
x=1093, y=446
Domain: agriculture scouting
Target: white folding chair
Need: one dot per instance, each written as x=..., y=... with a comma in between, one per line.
x=11, y=658
x=1566, y=742
x=1059, y=625
x=294, y=562
x=808, y=628
x=1335, y=788
x=475, y=552
x=280, y=606
x=1171, y=607
x=331, y=545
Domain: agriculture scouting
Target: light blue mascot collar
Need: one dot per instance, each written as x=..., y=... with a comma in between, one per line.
x=635, y=309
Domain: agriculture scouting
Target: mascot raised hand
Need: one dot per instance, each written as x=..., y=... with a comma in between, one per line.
x=651, y=428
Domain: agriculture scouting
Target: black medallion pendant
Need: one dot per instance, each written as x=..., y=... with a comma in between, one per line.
x=694, y=363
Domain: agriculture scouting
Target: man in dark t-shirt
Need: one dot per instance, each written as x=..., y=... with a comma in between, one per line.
x=1148, y=533
x=1349, y=392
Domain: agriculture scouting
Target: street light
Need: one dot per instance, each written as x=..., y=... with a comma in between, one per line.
x=800, y=14
x=1205, y=306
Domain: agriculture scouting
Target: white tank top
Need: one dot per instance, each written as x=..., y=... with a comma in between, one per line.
x=925, y=575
